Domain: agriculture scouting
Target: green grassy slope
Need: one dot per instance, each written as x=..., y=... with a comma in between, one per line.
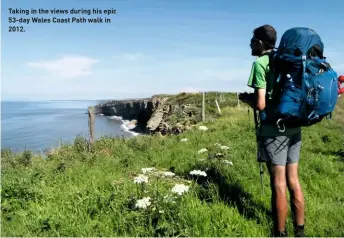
x=82, y=192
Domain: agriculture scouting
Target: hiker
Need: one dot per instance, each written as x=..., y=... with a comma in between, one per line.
x=280, y=150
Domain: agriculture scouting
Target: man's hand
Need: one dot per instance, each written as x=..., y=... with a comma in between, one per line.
x=248, y=98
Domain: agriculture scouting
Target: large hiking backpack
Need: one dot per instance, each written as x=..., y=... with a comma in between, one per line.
x=307, y=86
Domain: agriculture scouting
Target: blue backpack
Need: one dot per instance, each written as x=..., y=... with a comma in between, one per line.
x=307, y=86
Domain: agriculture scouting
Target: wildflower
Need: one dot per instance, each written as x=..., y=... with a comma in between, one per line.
x=202, y=151
x=143, y=203
x=180, y=189
x=203, y=128
x=184, y=140
x=228, y=162
x=198, y=172
x=224, y=147
x=217, y=144
x=168, y=174
x=141, y=179
x=147, y=170
x=219, y=154
x=201, y=160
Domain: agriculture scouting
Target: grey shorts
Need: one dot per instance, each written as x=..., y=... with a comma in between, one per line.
x=280, y=150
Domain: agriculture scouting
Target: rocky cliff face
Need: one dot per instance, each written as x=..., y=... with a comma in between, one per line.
x=153, y=115
x=140, y=110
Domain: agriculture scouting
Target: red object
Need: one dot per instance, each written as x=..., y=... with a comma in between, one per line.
x=341, y=78
x=340, y=81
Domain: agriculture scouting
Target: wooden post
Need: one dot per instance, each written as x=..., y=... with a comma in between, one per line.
x=238, y=99
x=91, y=123
x=203, y=106
x=218, y=107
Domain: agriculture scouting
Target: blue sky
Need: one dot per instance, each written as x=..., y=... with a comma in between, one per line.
x=151, y=46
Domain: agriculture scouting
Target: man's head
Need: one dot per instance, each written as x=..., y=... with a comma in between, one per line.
x=264, y=38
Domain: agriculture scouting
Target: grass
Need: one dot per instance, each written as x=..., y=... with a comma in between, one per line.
x=82, y=190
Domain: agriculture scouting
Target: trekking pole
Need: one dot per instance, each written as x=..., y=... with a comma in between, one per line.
x=261, y=171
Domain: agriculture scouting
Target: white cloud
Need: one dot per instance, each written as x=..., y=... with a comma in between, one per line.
x=66, y=67
x=154, y=75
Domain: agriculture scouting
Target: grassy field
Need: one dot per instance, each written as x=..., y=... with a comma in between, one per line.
x=90, y=191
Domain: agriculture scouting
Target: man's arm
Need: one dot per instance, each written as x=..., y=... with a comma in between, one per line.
x=260, y=98
x=257, y=81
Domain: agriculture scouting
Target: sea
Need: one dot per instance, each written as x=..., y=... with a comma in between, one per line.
x=42, y=125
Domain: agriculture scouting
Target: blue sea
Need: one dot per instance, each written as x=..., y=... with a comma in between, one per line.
x=38, y=126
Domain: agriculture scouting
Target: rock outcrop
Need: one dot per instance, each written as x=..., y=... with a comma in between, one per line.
x=153, y=115
x=136, y=109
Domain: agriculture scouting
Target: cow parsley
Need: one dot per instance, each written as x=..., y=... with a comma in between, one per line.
x=203, y=128
x=180, y=189
x=141, y=179
x=143, y=203
x=147, y=170
x=202, y=151
x=198, y=172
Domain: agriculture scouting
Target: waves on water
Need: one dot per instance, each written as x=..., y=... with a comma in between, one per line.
x=125, y=126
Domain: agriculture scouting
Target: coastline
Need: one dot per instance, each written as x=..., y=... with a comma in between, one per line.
x=126, y=126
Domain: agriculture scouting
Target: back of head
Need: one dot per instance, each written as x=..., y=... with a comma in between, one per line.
x=267, y=34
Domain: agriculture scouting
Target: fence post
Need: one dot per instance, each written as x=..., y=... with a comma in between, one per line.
x=91, y=123
x=203, y=106
x=238, y=99
x=218, y=107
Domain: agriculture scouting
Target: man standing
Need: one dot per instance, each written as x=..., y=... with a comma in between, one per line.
x=280, y=150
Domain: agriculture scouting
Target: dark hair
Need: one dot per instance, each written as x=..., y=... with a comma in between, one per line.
x=267, y=34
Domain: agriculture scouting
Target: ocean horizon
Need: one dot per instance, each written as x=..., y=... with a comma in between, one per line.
x=39, y=125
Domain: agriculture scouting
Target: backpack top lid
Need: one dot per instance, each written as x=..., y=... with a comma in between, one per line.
x=299, y=40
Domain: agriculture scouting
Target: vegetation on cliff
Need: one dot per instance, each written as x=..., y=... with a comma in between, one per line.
x=97, y=190
x=168, y=114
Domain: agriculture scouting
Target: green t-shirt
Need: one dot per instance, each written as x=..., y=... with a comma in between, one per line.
x=262, y=77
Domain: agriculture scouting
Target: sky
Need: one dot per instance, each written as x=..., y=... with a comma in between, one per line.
x=150, y=47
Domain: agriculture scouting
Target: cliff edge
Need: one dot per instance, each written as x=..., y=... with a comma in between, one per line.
x=165, y=114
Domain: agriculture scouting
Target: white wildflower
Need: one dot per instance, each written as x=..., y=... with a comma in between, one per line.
x=143, y=203
x=219, y=154
x=217, y=144
x=201, y=160
x=224, y=147
x=202, y=151
x=147, y=170
x=203, y=128
x=168, y=174
x=180, y=189
x=228, y=162
x=198, y=172
x=184, y=140
x=141, y=179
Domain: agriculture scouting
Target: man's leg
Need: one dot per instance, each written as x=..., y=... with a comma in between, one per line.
x=279, y=198
x=296, y=198
x=276, y=148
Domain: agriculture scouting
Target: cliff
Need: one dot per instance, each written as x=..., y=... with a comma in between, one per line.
x=165, y=114
x=140, y=110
